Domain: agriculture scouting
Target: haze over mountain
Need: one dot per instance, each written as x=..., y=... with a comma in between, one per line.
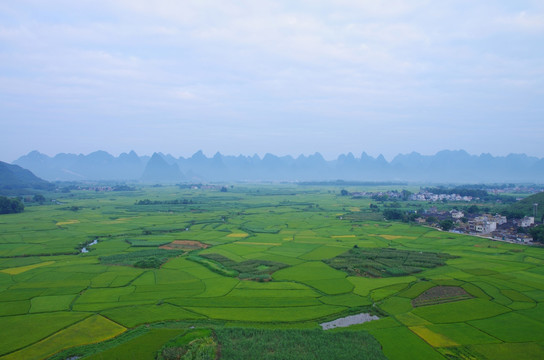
x=14, y=179
x=445, y=166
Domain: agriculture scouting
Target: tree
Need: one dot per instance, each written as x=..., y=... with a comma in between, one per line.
x=446, y=225
x=537, y=233
x=473, y=209
x=393, y=214
x=10, y=206
x=39, y=198
x=406, y=195
x=223, y=189
x=344, y=192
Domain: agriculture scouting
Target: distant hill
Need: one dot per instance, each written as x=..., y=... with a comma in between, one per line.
x=446, y=166
x=524, y=207
x=158, y=170
x=14, y=180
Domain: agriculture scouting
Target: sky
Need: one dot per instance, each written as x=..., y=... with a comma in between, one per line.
x=284, y=77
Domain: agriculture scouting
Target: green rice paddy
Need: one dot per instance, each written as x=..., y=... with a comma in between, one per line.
x=276, y=260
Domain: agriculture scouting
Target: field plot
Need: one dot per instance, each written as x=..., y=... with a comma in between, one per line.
x=141, y=348
x=23, y=330
x=90, y=330
x=259, y=256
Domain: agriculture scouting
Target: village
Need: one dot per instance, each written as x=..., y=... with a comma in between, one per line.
x=471, y=219
x=496, y=227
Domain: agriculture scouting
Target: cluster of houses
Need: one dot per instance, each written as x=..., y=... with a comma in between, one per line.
x=428, y=196
x=497, y=226
x=420, y=196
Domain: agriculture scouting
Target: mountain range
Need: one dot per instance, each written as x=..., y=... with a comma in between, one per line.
x=446, y=166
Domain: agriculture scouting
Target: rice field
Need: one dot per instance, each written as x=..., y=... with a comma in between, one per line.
x=267, y=263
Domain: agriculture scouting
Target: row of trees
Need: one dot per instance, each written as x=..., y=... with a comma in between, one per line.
x=396, y=214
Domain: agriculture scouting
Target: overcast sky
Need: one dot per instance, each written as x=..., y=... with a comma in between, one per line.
x=286, y=77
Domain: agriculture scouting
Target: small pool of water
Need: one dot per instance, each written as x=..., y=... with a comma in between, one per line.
x=348, y=321
x=85, y=250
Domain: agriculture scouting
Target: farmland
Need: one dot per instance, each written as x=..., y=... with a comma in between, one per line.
x=178, y=270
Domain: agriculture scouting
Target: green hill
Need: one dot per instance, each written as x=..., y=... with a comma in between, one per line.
x=16, y=180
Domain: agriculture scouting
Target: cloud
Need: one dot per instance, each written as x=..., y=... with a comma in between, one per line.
x=258, y=66
x=524, y=21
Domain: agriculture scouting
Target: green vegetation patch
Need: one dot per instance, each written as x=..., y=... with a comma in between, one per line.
x=463, y=334
x=512, y=327
x=332, y=286
x=270, y=314
x=508, y=351
x=142, y=259
x=143, y=347
x=401, y=343
x=416, y=289
x=309, y=271
x=363, y=286
x=386, y=262
x=349, y=299
x=23, y=330
x=51, y=303
x=460, y=311
x=197, y=344
x=213, y=266
x=516, y=296
x=91, y=330
x=440, y=295
x=249, y=269
x=241, y=344
x=131, y=316
x=396, y=305
x=14, y=307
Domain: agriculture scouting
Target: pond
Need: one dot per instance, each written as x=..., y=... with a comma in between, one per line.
x=85, y=250
x=348, y=321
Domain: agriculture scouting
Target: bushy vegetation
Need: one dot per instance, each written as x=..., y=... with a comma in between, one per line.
x=194, y=345
x=164, y=202
x=142, y=259
x=537, y=233
x=10, y=206
x=386, y=262
x=241, y=344
x=250, y=269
